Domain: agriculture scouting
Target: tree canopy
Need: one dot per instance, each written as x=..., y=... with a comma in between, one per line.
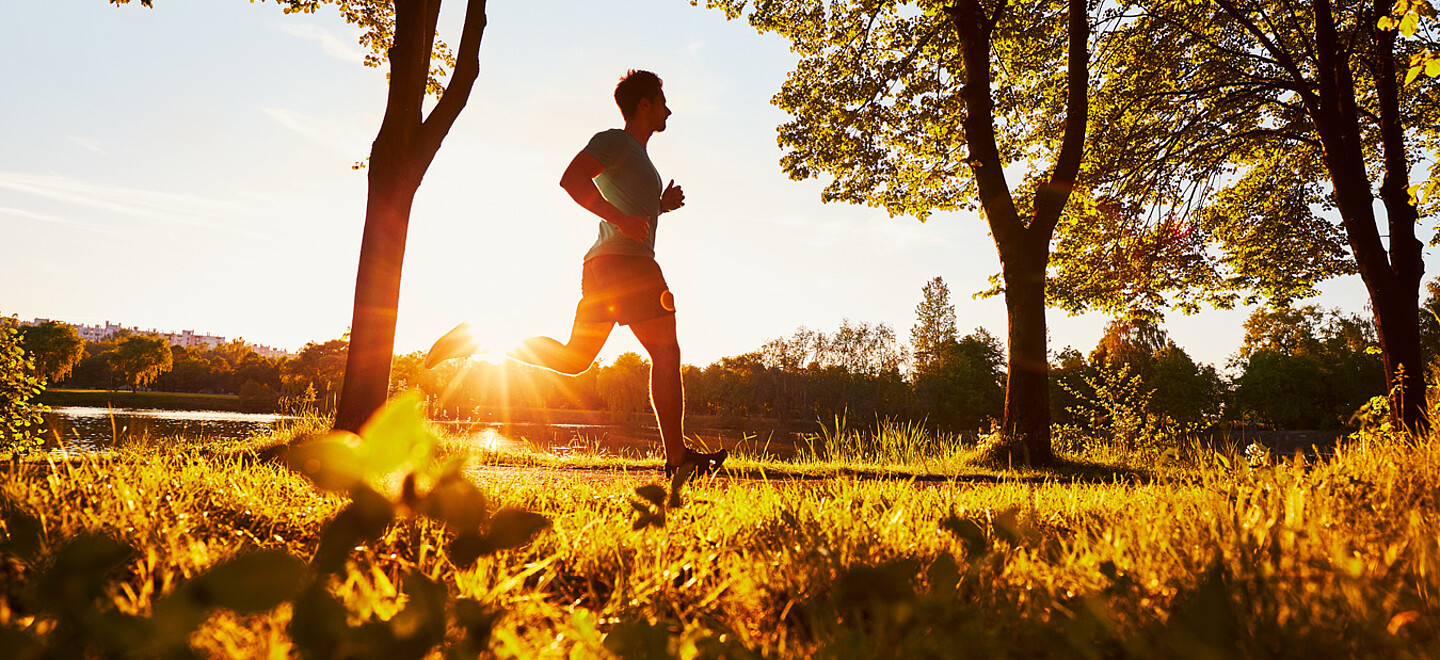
x=56, y=348
x=934, y=325
x=922, y=107
x=140, y=359
x=1240, y=149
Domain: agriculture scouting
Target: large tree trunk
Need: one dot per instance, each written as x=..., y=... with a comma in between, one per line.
x=1392, y=279
x=403, y=150
x=1027, y=385
x=1024, y=248
x=377, y=293
x=1399, y=329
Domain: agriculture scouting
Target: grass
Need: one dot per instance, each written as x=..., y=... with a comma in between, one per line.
x=1213, y=555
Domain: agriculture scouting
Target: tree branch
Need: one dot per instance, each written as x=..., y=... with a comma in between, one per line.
x=1050, y=198
x=974, y=31
x=409, y=72
x=462, y=79
x=1281, y=56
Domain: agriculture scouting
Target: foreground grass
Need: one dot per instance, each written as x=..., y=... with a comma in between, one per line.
x=1282, y=558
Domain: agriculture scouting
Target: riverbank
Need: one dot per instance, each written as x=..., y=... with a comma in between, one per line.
x=70, y=398
x=59, y=397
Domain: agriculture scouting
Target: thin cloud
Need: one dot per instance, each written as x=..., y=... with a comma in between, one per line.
x=187, y=210
x=333, y=45
x=326, y=131
x=55, y=219
x=87, y=143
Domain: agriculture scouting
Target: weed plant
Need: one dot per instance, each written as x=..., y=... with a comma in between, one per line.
x=1220, y=556
x=891, y=443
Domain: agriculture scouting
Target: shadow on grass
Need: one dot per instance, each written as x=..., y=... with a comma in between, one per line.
x=1064, y=471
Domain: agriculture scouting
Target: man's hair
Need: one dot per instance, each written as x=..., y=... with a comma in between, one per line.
x=635, y=85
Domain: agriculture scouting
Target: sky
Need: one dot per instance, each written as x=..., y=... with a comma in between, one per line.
x=189, y=167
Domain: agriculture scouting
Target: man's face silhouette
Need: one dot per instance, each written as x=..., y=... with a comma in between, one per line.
x=655, y=111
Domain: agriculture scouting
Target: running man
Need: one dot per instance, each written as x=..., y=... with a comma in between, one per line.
x=613, y=178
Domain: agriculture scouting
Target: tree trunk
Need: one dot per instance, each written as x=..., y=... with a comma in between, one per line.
x=1024, y=249
x=1027, y=385
x=1400, y=329
x=377, y=296
x=1392, y=280
x=403, y=150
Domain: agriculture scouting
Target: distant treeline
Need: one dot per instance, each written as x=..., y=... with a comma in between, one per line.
x=1297, y=368
x=136, y=361
x=1303, y=368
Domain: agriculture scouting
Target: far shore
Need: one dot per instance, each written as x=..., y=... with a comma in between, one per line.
x=60, y=397
x=148, y=400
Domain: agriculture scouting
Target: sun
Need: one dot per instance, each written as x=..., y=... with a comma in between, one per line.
x=474, y=342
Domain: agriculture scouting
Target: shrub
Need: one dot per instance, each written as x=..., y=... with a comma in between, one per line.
x=19, y=420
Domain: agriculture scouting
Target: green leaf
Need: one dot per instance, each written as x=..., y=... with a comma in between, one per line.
x=509, y=528
x=467, y=547
x=318, y=624
x=1007, y=526
x=366, y=518
x=20, y=643
x=943, y=575
x=250, y=583
x=969, y=532
x=24, y=534
x=639, y=639
x=653, y=493
x=478, y=620
x=1205, y=624
x=396, y=434
x=330, y=463
x=1409, y=23
x=512, y=528
x=80, y=573
x=457, y=502
x=421, y=625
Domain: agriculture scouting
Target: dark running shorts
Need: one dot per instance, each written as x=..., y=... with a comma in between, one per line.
x=623, y=289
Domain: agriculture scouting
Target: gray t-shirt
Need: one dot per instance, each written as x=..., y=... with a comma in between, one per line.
x=629, y=182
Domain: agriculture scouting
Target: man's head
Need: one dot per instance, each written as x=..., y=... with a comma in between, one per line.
x=638, y=94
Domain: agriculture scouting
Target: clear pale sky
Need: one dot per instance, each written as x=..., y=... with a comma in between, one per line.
x=188, y=167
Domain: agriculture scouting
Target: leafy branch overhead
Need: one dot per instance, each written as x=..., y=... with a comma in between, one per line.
x=1406, y=18
x=875, y=98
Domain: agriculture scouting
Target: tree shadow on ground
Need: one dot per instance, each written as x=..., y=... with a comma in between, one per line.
x=1065, y=471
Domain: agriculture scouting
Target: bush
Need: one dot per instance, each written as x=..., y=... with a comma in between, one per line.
x=19, y=420
x=258, y=397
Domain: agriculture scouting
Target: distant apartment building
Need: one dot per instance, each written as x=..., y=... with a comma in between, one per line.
x=270, y=352
x=186, y=338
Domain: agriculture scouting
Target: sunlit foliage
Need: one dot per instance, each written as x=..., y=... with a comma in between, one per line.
x=55, y=346
x=19, y=383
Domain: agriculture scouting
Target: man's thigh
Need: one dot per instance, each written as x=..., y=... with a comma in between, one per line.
x=657, y=335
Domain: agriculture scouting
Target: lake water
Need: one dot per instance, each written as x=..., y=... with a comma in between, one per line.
x=78, y=427
x=101, y=428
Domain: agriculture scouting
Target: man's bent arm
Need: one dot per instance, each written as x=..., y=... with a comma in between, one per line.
x=579, y=181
